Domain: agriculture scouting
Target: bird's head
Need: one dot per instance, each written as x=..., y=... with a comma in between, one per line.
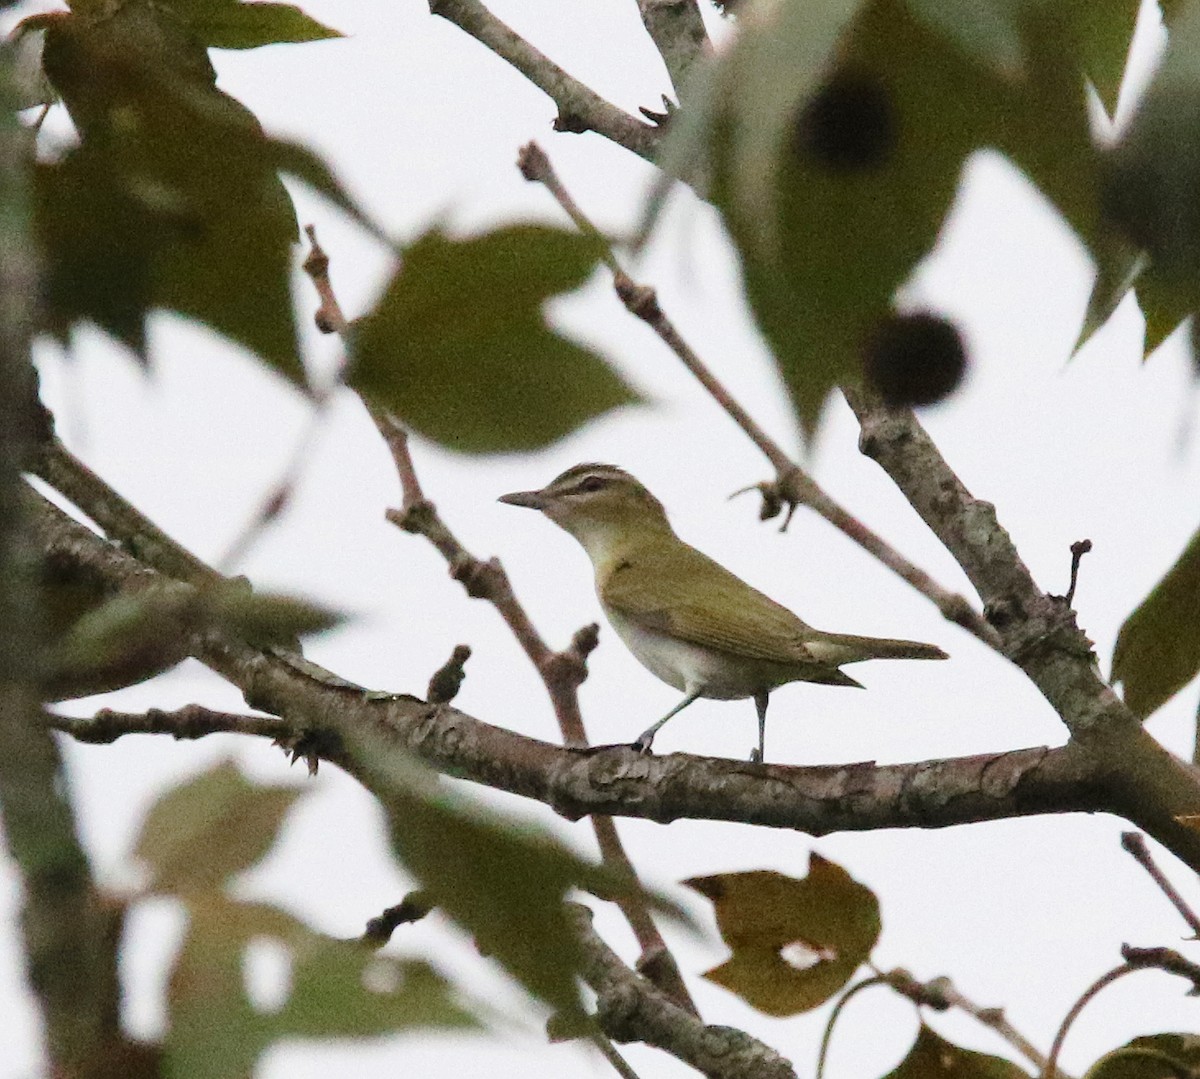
x=598, y=504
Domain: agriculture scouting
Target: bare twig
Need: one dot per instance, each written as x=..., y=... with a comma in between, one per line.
x=188, y=723
x=631, y=1008
x=579, y=108
x=562, y=672
x=412, y=908
x=1078, y=549
x=1164, y=959
x=831, y=1022
x=1135, y=844
x=677, y=29
x=941, y=994
x=792, y=484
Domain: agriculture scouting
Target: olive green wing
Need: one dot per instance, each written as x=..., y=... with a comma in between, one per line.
x=685, y=594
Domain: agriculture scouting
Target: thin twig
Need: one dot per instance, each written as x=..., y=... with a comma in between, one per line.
x=412, y=908
x=842, y=1001
x=792, y=484
x=1078, y=549
x=1164, y=959
x=941, y=994
x=579, y=107
x=1135, y=844
x=562, y=672
x=188, y=723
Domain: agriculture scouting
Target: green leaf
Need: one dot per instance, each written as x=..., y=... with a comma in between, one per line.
x=222, y=24
x=1164, y=306
x=1155, y=168
x=1152, y=1056
x=504, y=884
x=263, y=619
x=338, y=989
x=932, y=1057
x=795, y=943
x=193, y=210
x=459, y=348
x=1104, y=29
x=1158, y=648
x=200, y=834
x=116, y=642
x=836, y=138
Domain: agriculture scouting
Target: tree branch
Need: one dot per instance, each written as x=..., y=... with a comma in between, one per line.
x=68, y=954
x=579, y=107
x=677, y=29
x=632, y=1009
x=614, y=779
x=1038, y=632
x=792, y=484
x=562, y=672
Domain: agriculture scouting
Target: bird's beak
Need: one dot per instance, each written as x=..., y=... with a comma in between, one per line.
x=533, y=500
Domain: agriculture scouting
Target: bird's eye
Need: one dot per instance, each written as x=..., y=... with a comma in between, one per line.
x=592, y=483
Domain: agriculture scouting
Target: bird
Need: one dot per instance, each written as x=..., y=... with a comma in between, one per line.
x=685, y=617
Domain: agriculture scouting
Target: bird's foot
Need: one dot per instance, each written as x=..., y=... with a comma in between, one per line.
x=643, y=744
x=756, y=756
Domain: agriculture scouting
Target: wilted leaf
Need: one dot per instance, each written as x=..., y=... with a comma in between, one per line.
x=1158, y=648
x=1152, y=1056
x=795, y=943
x=200, y=834
x=230, y=24
x=835, y=143
x=932, y=1057
x=459, y=348
x=336, y=989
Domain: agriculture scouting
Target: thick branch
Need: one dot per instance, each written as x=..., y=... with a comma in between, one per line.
x=631, y=1009
x=66, y=950
x=677, y=29
x=614, y=779
x=579, y=107
x=1038, y=632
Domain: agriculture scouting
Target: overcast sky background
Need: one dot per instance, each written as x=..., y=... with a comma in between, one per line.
x=421, y=123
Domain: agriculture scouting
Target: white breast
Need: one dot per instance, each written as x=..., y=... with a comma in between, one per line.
x=685, y=666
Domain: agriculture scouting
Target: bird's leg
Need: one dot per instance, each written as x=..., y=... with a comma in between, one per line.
x=760, y=702
x=644, y=740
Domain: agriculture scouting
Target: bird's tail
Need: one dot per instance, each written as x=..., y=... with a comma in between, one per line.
x=857, y=649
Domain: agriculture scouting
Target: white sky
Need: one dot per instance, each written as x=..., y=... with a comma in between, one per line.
x=420, y=122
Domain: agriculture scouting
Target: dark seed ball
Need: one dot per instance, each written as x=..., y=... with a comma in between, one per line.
x=848, y=125
x=914, y=359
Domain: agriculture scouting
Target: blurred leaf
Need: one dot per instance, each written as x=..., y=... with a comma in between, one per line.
x=200, y=834
x=504, y=884
x=130, y=637
x=932, y=1057
x=459, y=348
x=337, y=989
x=1158, y=648
x=119, y=641
x=1152, y=1056
x=795, y=943
x=1155, y=168
x=1163, y=304
x=193, y=211
x=1105, y=32
x=230, y=24
x=263, y=619
x=834, y=147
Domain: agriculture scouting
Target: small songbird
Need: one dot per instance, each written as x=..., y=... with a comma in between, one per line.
x=685, y=617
